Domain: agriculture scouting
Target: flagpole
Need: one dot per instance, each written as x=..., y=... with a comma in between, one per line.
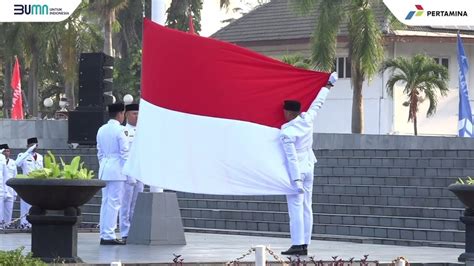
x=158, y=11
x=158, y=15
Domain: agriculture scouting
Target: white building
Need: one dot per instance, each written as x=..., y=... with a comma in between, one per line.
x=276, y=30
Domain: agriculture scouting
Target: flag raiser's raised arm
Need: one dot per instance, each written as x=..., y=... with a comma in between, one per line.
x=321, y=97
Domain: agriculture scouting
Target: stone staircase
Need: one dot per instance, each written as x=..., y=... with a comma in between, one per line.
x=371, y=196
x=386, y=196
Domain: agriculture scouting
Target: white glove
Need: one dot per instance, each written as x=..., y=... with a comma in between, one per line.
x=333, y=78
x=299, y=186
x=131, y=181
x=1, y=150
x=30, y=149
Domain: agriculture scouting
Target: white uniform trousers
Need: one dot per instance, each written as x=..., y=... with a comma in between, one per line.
x=6, y=209
x=301, y=212
x=24, y=209
x=109, y=209
x=130, y=194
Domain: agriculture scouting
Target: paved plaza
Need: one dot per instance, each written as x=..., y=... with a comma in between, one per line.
x=223, y=248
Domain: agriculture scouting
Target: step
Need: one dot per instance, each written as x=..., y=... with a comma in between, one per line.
x=327, y=237
x=333, y=229
x=395, y=161
x=404, y=211
x=328, y=208
x=382, y=190
x=444, y=202
x=326, y=218
x=386, y=180
x=392, y=171
x=371, y=153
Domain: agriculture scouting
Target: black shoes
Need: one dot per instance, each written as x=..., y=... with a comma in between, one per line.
x=112, y=242
x=124, y=239
x=301, y=250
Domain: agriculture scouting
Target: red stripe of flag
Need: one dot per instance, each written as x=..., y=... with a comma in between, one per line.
x=203, y=76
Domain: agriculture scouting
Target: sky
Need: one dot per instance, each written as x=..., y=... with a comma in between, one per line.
x=212, y=15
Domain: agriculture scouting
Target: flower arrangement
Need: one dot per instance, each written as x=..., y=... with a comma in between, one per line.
x=52, y=169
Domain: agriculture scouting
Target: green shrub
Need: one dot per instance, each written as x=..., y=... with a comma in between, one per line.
x=16, y=258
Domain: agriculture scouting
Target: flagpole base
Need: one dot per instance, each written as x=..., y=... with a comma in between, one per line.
x=157, y=220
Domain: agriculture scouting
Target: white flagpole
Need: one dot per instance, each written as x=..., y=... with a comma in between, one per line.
x=158, y=11
x=158, y=15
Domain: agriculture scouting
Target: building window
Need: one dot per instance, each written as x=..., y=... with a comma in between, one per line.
x=343, y=67
x=442, y=61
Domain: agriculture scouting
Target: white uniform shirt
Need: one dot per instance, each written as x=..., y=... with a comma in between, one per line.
x=112, y=151
x=27, y=162
x=10, y=171
x=3, y=172
x=297, y=139
x=130, y=132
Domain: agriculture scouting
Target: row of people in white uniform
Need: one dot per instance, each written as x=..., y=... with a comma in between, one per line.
x=121, y=192
x=28, y=161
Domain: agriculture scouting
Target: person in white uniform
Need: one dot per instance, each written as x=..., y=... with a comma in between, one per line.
x=28, y=161
x=297, y=140
x=8, y=196
x=132, y=187
x=112, y=152
x=3, y=167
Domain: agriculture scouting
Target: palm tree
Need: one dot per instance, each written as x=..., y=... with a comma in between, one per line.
x=107, y=11
x=71, y=37
x=422, y=77
x=297, y=60
x=364, y=42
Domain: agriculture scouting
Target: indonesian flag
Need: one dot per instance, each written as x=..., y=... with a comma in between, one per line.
x=210, y=115
x=17, y=100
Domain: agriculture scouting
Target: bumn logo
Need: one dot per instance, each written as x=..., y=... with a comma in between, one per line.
x=31, y=9
x=419, y=12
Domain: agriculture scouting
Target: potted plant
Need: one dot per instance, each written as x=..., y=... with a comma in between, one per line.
x=464, y=191
x=55, y=193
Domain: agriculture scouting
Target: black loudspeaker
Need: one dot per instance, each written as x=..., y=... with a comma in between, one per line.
x=83, y=125
x=95, y=80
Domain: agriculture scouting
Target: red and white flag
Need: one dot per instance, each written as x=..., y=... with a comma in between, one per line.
x=17, y=99
x=210, y=115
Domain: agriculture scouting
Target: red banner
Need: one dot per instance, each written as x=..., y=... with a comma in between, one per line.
x=17, y=101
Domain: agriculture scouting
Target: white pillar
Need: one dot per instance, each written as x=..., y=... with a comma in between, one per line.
x=158, y=11
x=158, y=15
x=260, y=258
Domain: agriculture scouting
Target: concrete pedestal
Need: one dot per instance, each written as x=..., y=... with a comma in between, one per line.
x=156, y=220
x=469, y=222
x=54, y=238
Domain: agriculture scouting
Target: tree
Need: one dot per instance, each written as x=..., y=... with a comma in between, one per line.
x=70, y=38
x=178, y=14
x=422, y=77
x=107, y=10
x=297, y=60
x=364, y=42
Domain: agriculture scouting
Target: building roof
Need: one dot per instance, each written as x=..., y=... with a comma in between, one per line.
x=277, y=20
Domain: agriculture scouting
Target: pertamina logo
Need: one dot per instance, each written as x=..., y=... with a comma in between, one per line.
x=435, y=13
x=419, y=12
